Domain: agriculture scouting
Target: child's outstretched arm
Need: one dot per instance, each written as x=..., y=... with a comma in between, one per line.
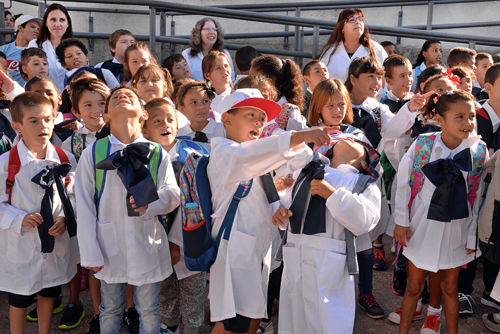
x=318, y=136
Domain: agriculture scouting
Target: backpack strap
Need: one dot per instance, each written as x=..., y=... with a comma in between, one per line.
x=100, y=151
x=14, y=167
x=474, y=176
x=154, y=163
x=100, y=75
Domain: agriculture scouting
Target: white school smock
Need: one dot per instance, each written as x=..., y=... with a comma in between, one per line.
x=195, y=64
x=133, y=250
x=212, y=129
x=216, y=103
x=317, y=293
x=24, y=269
x=240, y=274
x=435, y=245
x=56, y=71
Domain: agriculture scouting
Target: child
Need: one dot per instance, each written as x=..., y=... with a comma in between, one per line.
x=136, y=55
x=399, y=76
x=73, y=55
x=183, y=287
x=426, y=223
x=35, y=236
x=46, y=86
x=243, y=58
x=262, y=84
x=177, y=66
x=119, y=41
x=238, y=278
x=140, y=259
x=430, y=55
x=389, y=47
x=461, y=56
x=317, y=292
x=33, y=63
x=217, y=70
x=3, y=60
x=193, y=100
x=313, y=73
x=483, y=62
x=465, y=78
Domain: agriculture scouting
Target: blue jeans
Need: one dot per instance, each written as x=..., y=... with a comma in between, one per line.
x=146, y=302
x=365, y=278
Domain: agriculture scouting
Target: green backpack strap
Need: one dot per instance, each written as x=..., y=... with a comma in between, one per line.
x=154, y=163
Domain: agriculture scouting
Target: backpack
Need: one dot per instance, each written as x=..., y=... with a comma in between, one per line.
x=423, y=149
x=489, y=211
x=5, y=143
x=15, y=166
x=484, y=126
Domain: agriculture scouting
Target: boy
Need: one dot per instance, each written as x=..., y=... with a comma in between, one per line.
x=389, y=47
x=119, y=41
x=243, y=58
x=313, y=73
x=37, y=223
x=483, y=62
x=177, y=66
x=123, y=242
x=33, y=63
x=461, y=56
x=238, y=278
x=73, y=55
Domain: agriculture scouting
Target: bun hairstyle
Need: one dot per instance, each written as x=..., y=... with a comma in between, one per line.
x=362, y=65
x=440, y=104
x=425, y=47
x=322, y=93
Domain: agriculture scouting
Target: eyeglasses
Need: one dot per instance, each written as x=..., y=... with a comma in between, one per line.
x=210, y=29
x=354, y=19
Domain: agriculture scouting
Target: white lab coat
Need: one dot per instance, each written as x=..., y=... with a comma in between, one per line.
x=24, y=269
x=317, y=294
x=435, y=245
x=213, y=129
x=56, y=71
x=239, y=276
x=133, y=250
x=195, y=64
x=216, y=103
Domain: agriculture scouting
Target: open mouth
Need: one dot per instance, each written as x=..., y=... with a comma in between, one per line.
x=43, y=135
x=123, y=101
x=255, y=133
x=165, y=134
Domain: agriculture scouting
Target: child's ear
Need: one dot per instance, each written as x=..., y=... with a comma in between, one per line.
x=226, y=118
x=59, y=101
x=488, y=87
x=207, y=76
x=145, y=132
x=307, y=80
x=388, y=80
x=16, y=126
x=353, y=79
x=105, y=118
x=144, y=115
x=440, y=120
x=364, y=166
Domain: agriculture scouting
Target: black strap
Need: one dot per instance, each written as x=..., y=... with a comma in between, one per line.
x=177, y=165
x=269, y=188
x=485, y=129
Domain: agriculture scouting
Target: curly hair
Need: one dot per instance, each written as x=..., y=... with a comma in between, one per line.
x=61, y=48
x=196, y=36
x=441, y=104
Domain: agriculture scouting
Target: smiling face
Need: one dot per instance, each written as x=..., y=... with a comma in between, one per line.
x=366, y=85
x=433, y=54
x=47, y=89
x=482, y=66
x=74, y=58
x=37, y=126
x=208, y=34
x=36, y=66
x=151, y=86
x=161, y=126
x=57, y=23
x=137, y=59
x=244, y=124
x=181, y=70
x=196, y=105
x=401, y=81
x=334, y=111
x=30, y=31
x=318, y=72
x=91, y=108
x=220, y=75
x=457, y=123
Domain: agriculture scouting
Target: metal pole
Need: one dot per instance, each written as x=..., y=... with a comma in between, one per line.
x=301, y=43
x=163, y=32
x=400, y=23
x=172, y=33
x=297, y=34
x=472, y=45
x=430, y=10
x=285, y=42
x=2, y=22
x=315, y=50
x=41, y=9
x=152, y=30
x=91, y=29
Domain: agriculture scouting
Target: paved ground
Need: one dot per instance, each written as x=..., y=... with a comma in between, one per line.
x=363, y=324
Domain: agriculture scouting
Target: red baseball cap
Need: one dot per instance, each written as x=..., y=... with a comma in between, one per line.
x=251, y=97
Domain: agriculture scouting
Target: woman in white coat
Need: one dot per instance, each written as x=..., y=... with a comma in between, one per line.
x=55, y=27
x=349, y=40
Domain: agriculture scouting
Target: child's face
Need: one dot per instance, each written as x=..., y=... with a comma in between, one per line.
x=36, y=66
x=151, y=86
x=74, y=58
x=30, y=32
x=125, y=104
x=161, y=126
x=482, y=66
x=465, y=84
x=37, y=126
x=181, y=70
x=57, y=23
x=390, y=49
x=367, y=84
x=433, y=54
x=317, y=73
x=267, y=91
x=208, y=34
x=401, y=81
x=91, y=108
x=50, y=91
x=334, y=111
x=121, y=45
x=137, y=59
x=349, y=152
x=196, y=105
x=245, y=124
x=440, y=86
x=220, y=74
x=458, y=122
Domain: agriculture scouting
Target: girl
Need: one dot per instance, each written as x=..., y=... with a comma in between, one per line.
x=177, y=66
x=436, y=237
x=430, y=55
x=286, y=77
x=465, y=78
x=217, y=70
x=136, y=56
x=193, y=100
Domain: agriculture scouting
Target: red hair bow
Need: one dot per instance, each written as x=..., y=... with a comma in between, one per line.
x=452, y=77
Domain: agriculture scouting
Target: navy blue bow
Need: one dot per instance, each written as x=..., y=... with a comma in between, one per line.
x=364, y=121
x=201, y=137
x=449, y=200
x=46, y=179
x=394, y=106
x=131, y=164
x=419, y=128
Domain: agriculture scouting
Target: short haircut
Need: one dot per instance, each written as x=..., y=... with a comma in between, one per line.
x=395, y=60
x=462, y=72
x=322, y=93
x=132, y=89
x=256, y=81
x=387, y=43
x=460, y=55
x=171, y=60
x=496, y=58
x=209, y=60
x=492, y=74
x=27, y=100
x=77, y=89
x=155, y=103
x=244, y=57
x=307, y=69
x=39, y=78
x=26, y=54
x=115, y=36
x=483, y=55
x=66, y=43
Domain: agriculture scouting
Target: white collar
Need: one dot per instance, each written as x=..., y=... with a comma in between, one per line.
x=225, y=93
x=475, y=83
x=26, y=156
x=422, y=67
x=493, y=115
x=391, y=96
x=114, y=141
x=85, y=131
x=449, y=153
x=282, y=101
x=369, y=104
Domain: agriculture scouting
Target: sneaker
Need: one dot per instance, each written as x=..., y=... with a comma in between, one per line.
x=466, y=304
x=370, y=305
x=131, y=318
x=379, y=258
x=95, y=327
x=266, y=327
x=33, y=315
x=399, y=282
x=492, y=321
x=432, y=324
x=164, y=330
x=425, y=296
x=72, y=316
x=83, y=281
x=395, y=316
x=488, y=301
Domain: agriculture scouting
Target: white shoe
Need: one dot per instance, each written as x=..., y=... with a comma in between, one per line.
x=165, y=330
x=266, y=328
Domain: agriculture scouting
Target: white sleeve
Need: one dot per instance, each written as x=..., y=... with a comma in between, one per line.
x=296, y=163
x=15, y=92
x=99, y=65
x=400, y=123
x=66, y=145
x=385, y=118
x=295, y=120
x=111, y=81
x=403, y=190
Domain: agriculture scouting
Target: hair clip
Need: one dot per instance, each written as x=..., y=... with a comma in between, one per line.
x=283, y=61
x=68, y=88
x=447, y=73
x=207, y=86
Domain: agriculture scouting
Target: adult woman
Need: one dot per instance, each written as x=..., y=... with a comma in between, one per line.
x=56, y=26
x=9, y=24
x=350, y=39
x=207, y=35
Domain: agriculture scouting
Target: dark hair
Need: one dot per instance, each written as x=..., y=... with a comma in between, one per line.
x=130, y=88
x=155, y=103
x=27, y=53
x=185, y=86
x=425, y=47
x=169, y=62
x=66, y=103
x=362, y=65
x=492, y=74
x=387, y=43
x=244, y=57
x=434, y=78
x=78, y=87
x=39, y=78
x=427, y=73
x=460, y=55
x=496, y=58
x=483, y=55
x=286, y=77
x=68, y=42
x=44, y=33
x=26, y=100
x=337, y=35
x=134, y=47
x=256, y=81
x=153, y=70
x=392, y=61
x=115, y=36
x=462, y=72
x=307, y=68
x=322, y=93
x=195, y=43
x=439, y=106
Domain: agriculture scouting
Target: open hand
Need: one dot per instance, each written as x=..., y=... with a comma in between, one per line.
x=418, y=101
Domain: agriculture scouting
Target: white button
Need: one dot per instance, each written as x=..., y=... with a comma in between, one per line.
x=320, y=242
